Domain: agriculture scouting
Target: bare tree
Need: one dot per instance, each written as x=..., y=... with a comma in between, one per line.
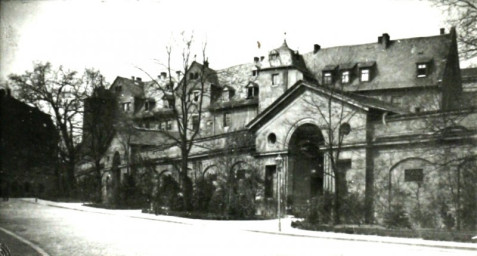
x=188, y=104
x=59, y=92
x=463, y=15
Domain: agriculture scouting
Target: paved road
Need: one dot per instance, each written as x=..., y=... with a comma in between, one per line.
x=68, y=232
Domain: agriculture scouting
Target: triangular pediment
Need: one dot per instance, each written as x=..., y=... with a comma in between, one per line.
x=361, y=103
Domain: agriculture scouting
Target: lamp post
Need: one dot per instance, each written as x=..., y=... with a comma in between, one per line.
x=278, y=161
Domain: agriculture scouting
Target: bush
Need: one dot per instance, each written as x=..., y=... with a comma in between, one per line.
x=352, y=208
x=203, y=192
x=319, y=209
x=396, y=217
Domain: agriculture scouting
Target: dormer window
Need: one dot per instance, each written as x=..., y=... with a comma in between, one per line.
x=364, y=75
x=327, y=78
x=366, y=71
x=345, y=77
x=273, y=55
x=328, y=74
x=423, y=67
x=422, y=70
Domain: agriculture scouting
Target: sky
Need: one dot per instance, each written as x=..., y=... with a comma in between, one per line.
x=129, y=37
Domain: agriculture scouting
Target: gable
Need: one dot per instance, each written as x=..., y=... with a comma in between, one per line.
x=294, y=93
x=307, y=106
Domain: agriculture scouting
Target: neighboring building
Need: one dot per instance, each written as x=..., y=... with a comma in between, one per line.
x=469, y=85
x=29, y=144
x=393, y=109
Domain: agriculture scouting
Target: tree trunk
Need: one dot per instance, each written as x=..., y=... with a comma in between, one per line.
x=186, y=184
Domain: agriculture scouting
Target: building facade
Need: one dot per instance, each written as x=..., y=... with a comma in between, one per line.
x=28, y=150
x=387, y=121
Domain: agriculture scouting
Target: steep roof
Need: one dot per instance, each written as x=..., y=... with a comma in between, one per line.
x=359, y=101
x=135, y=87
x=395, y=64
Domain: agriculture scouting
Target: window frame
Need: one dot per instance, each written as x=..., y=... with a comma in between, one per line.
x=226, y=119
x=422, y=72
x=362, y=72
x=348, y=72
x=275, y=78
x=327, y=78
x=195, y=122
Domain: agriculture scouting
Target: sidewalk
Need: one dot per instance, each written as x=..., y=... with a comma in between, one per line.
x=260, y=226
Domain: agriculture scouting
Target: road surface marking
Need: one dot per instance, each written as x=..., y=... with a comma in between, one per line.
x=32, y=245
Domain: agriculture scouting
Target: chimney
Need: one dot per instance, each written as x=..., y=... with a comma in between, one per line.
x=256, y=59
x=163, y=75
x=262, y=58
x=443, y=31
x=206, y=63
x=316, y=48
x=178, y=75
x=380, y=39
x=133, y=78
x=386, y=40
x=138, y=79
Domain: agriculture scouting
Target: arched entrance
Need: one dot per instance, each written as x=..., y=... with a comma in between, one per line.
x=305, y=165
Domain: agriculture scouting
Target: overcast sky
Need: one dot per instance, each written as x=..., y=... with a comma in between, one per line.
x=116, y=37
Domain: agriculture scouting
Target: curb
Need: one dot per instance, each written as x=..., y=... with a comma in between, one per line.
x=338, y=236
x=463, y=247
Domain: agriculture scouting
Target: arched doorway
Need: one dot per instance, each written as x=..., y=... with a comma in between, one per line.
x=305, y=165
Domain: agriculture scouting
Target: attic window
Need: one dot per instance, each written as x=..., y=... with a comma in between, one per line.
x=273, y=55
x=327, y=78
x=118, y=88
x=365, y=75
x=194, y=75
x=422, y=69
x=345, y=77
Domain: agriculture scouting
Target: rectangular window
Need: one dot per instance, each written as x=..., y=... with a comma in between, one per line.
x=275, y=79
x=118, y=88
x=415, y=175
x=254, y=72
x=226, y=119
x=364, y=76
x=147, y=105
x=195, y=123
x=421, y=70
x=126, y=106
x=159, y=126
x=270, y=171
x=345, y=77
x=169, y=125
x=327, y=78
x=196, y=96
